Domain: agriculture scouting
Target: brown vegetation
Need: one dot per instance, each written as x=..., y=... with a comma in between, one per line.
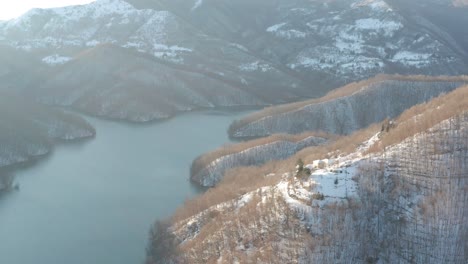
x=422, y=117
x=241, y=180
x=346, y=90
x=237, y=182
x=414, y=120
x=257, y=223
x=227, y=237
x=205, y=159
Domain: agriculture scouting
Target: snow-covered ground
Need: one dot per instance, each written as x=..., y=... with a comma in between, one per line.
x=278, y=31
x=197, y=5
x=56, y=60
x=368, y=200
x=255, y=66
x=412, y=58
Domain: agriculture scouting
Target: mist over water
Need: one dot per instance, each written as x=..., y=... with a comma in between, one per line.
x=94, y=202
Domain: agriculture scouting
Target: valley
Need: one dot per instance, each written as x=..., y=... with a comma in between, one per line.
x=247, y=131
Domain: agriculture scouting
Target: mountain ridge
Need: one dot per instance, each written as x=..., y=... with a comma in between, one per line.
x=275, y=52
x=385, y=192
x=342, y=109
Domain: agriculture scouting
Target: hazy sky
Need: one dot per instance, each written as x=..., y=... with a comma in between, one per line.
x=14, y=8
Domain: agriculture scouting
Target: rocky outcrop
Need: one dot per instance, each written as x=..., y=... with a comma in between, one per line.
x=372, y=103
x=210, y=174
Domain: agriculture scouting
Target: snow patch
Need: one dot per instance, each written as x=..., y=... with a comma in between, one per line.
x=92, y=43
x=255, y=66
x=239, y=46
x=275, y=28
x=197, y=4
x=375, y=5
x=409, y=58
x=287, y=34
x=56, y=59
x=170, y=53
x=97, y=9
x=387, y=27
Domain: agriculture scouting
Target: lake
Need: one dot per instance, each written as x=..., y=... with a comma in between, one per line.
x=94, y=202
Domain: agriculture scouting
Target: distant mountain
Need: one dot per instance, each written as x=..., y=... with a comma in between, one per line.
x=144, y=60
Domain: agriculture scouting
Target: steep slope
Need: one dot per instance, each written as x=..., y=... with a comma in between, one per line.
x=348, y=109
x=330, y=43
x=125, y=42
x=439, y=17
x=398, y=196
x=272, y=51
x=142, y=89
x=208, y=169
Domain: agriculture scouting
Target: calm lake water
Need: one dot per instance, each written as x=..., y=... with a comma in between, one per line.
x=94, y=202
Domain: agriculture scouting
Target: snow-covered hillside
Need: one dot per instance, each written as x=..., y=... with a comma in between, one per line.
x=102, y=21
x=374, y=101
x=259, y=52
x=398, y=203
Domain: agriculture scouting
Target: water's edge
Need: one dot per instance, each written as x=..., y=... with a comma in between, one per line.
x=94, y=201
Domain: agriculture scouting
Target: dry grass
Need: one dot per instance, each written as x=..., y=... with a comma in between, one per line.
x=346, y=90
x=205, y=159
x=342, y=146
x=242, y=180
x=422, y=117
x=247, y=225
x=254, y=225
x=427, y=115
x=237, y=182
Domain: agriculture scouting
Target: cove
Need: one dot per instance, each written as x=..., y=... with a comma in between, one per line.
x=94, y=202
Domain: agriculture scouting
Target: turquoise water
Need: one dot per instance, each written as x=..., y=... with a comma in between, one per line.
x=94, y=202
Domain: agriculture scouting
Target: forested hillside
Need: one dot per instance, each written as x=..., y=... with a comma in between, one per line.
x=395, y=192
x=141, y=60
x=349, y=108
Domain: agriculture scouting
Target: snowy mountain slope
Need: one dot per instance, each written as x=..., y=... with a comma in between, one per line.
x=29, y=130
x=271, y=50
x=403, y=203
x=58, y=37
x=367, y=103
x=347, y=40
x=142, y=89
x=439, y=18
